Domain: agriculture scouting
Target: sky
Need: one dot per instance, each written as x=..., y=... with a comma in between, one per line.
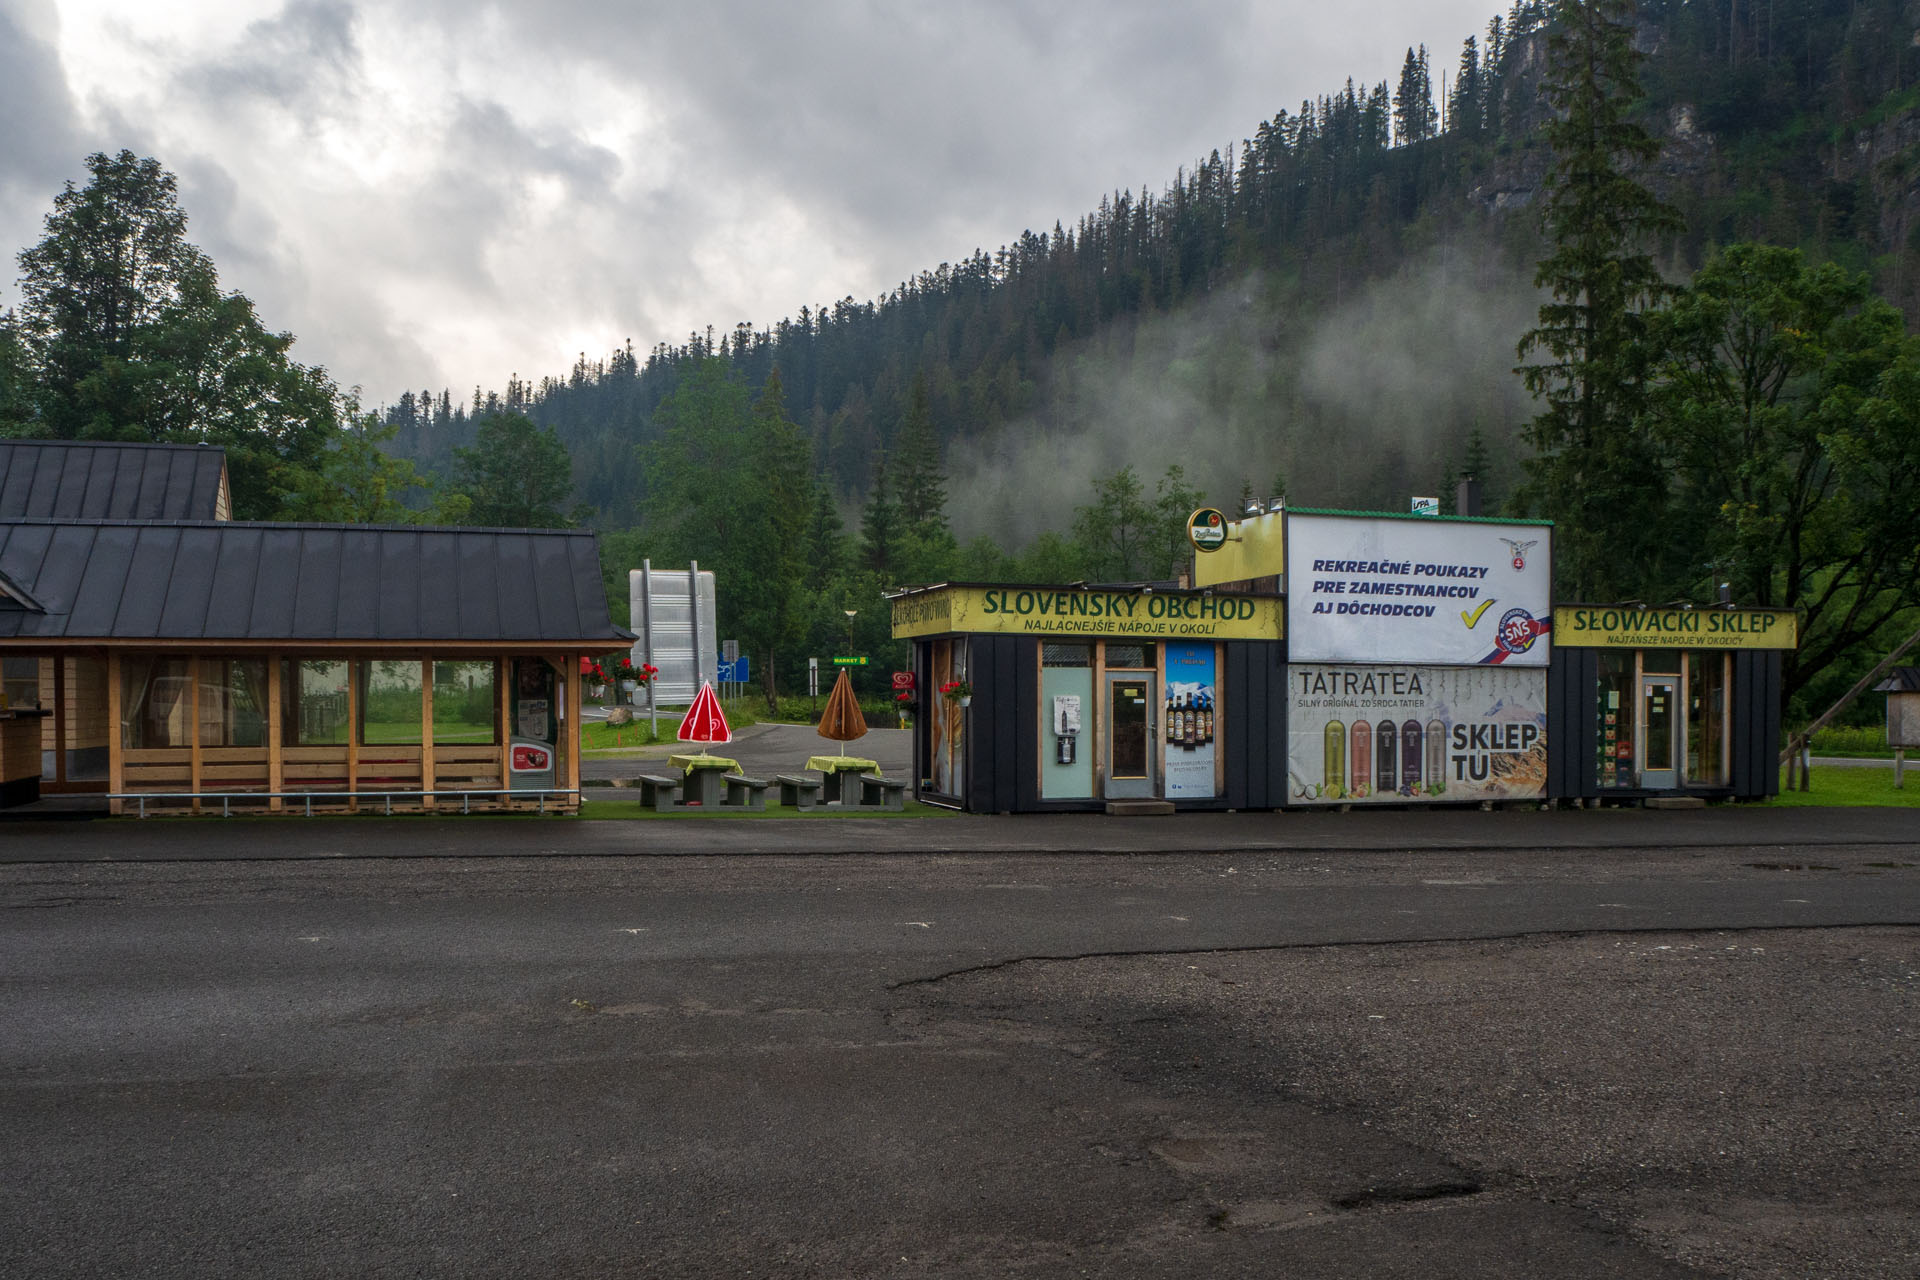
x=443, y=193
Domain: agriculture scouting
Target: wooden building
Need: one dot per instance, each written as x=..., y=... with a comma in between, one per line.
x=189, y=660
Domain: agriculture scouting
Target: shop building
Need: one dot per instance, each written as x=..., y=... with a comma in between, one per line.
x=1085, y=697
x=181, y=660
x=1332, y=658
x=1666, y=701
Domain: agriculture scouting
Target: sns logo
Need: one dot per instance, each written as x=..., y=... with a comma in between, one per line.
x=1517, y=631
x=1519, y=550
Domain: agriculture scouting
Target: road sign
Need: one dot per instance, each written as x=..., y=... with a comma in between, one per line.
x=734, y=670
x=813, y=677
x=843, y=661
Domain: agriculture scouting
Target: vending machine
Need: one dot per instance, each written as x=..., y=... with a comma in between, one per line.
x=534, y=735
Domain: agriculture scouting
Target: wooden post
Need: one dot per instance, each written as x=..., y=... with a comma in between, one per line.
x=353, y=733
x=193, y=729
x=426, y=730
x=1899, y=768
x=569, y=733
x=503, y=733
x=276, y=761
x=116, y=735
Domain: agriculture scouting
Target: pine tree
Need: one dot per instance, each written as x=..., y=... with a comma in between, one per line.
x=919, y=484
x=1594, y=467
x=879, y=520
x=1463, y=103
x=1413, y=111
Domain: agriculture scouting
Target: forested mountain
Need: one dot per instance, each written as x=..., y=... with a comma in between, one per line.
x=1331, y=303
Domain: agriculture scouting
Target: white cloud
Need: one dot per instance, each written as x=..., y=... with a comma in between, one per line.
x=442, y=193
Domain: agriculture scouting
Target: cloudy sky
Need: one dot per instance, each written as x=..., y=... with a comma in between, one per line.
x=445, y=192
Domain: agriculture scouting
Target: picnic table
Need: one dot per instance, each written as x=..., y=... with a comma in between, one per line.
x=704, y=776
x=836, y=768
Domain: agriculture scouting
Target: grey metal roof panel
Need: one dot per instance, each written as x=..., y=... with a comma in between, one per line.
x=230, y=603
x=98, y=597
x=108, y=480
x=481, y=611
x=190, y=590
x=438, y=598
x=276, y=587
x=316, y=607
x=1900, y=680
x=515, y=584
x=216, y=580
x=398, y=607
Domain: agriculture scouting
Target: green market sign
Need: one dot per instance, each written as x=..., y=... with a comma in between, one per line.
x=1207, y=529
x=1071, y=611
x=1623, y=627
x=846, y=661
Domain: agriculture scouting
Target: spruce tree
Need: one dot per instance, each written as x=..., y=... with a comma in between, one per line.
x=879, y=520
x=919, y=484
x=1594, y=469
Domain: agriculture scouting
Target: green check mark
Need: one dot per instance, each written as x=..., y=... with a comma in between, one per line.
x=1472, y=619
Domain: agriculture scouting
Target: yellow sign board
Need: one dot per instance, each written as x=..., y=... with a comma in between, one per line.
x=1254, y=548
x=1073, y=611
x=1587, y=626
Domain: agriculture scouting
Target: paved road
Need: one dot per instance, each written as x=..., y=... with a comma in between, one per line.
x=1690, y=1058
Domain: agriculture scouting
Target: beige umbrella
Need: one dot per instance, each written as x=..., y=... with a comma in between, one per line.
x=843, y=720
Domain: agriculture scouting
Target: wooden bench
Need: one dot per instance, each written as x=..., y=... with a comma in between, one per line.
x=747, y=793
x=798, y=790
x=882, y=793
x=658, y=791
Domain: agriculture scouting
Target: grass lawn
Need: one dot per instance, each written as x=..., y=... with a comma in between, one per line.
x=1839, y=785
x=598, y=735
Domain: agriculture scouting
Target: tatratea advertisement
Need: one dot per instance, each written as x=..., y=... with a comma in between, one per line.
x=1385, y=589
x=1403, y=734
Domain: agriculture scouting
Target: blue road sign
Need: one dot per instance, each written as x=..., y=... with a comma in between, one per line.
x=735, y=671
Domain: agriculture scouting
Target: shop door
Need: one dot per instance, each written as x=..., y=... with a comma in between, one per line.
x=1660, y=723
x=1129, y=736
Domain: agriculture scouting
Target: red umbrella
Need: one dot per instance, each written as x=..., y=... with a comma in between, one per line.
x=705, y=721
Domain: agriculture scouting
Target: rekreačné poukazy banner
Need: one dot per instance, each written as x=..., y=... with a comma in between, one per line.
x=1386, y=589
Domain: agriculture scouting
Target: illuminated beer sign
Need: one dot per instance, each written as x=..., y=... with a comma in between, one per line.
x=1612, y=626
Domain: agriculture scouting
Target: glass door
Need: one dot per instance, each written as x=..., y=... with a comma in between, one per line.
x=1660, y=723
x=1129, y=735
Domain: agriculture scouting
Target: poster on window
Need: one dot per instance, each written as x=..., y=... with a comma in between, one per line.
x=1410, y=735
x=1400, y=589
x=1187, y=722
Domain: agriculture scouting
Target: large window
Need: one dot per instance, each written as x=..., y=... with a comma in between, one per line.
x=313, y=696
x=156, y=699
x=233, y=702
x=465, y=703
x=390, y=702
x=947, y=720
x=1614, y=702
x=1707, y=677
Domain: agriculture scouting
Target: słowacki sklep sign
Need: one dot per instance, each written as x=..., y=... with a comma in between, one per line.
x=1613, y=626
x=1386, y=589
x=1077, y=612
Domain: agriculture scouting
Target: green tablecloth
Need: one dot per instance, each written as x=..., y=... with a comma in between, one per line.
x=842, y=764
x=703, y=761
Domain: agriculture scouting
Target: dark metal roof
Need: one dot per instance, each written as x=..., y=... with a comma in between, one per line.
x=1900, y=680
x=227, y=581
x=85, y=480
